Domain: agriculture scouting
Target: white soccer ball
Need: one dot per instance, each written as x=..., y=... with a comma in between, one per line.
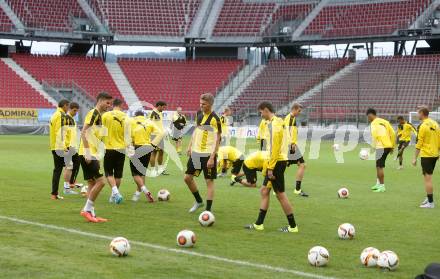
x=206, y=219
x=120, y=247
x=388, y=260
x=318, y=256
x=369, y=256
x=346, y=231
x=364, y=154
x=163, y=195
x=343, y=193
x=186, y=238
x=336, y=147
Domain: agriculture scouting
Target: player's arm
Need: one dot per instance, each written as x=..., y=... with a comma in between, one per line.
x=218, y=129
x=160, y=134
x=277, y=141
x=84, y=135
x=419, y=144
x=392, y=134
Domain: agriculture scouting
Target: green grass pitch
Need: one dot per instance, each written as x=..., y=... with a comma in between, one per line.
x=387, y=221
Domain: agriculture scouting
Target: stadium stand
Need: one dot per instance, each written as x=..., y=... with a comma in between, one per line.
x=355, y=19
x=90, y=74
x=392, y=85
x=5, y=22
x=238, y=18
x=148, y=17
x=284, y=80
x=50, y=15
x=16, y=93
x=178, y=82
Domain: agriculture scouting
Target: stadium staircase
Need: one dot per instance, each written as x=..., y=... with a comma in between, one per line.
x=321, y=86
x=92, y=15
x=213, y=15
x=235, y=88
x=123, y=85
x=300, y=29
x=200, y=19
x=423, y=17
x=29, y=79
x=19, y=26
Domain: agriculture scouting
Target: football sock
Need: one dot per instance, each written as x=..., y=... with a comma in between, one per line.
x=144, y=189
x=430, y=198
x=115, y=190
x=137, y=193
x=298, y=185
x=208, y=205
x=89, y=206
x=261, y=216
x=197, y=197
x=291, y=220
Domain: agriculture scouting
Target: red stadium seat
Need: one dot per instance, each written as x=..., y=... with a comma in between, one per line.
x=88, y=73
x=178, y=82
x=17, y=93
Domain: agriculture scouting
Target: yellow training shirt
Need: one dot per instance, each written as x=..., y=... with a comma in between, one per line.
x=404, y=131
x=57, y=130
x=157, y=118
x=256, y=160
x=114, y=121
x=94, y=134
x=229, y=153
x=277, y=141
x=382, y=134
x=428, y=141
x=142, y=129
x=290, y=122
x=206, y=132
x=72, y=132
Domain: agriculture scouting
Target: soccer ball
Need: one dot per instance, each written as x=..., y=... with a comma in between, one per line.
x=388, y=260
x=120, y=247
x=163, y=195
x=343, y=193
x=364, y=154
x=369, y=256
x=318, y=256
x=336, y=147
x=346, y=231
x=206, y=219
x=84, y=190
x=186, y=238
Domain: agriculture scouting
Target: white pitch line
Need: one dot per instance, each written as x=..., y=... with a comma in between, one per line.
x=172, y=250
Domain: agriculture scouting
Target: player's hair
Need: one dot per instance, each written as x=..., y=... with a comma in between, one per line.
x=266, y=105
x=400, y=117
x=208, y=97
x=296, y=106
x=117, y=102
x=371, y=111
x=160, y=104
x=62, y=103
x=74, y=105
x=139, y=113
x=103, y=96
x=424, y=110
x=227, y=109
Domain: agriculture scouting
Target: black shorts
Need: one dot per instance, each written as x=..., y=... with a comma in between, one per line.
x=251, y=174
x=236, y=166
x=198, y=163
x=278, y=183
x=428, y=164
x=139, y=162
x=114, y=163
x=403, y=144
x=381, y=156
x=295, y=157
x=90, y=170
